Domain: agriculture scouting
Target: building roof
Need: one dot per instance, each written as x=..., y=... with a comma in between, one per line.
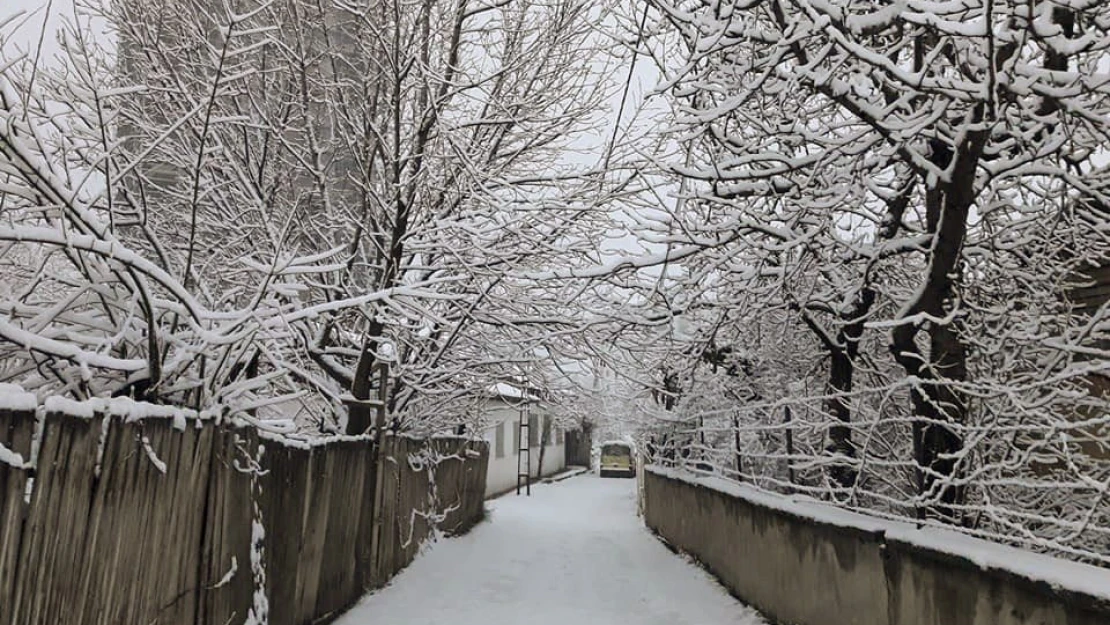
x=504, y=390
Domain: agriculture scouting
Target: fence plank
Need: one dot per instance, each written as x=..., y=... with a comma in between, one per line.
x=146, y=525
x=16, y=430
x=461, y=482
x=106, y=538
x=416, y=503
x=473, y=495
x=283, y=510
x=385, y=558
x=339, y=587
x=227, y=584
x=312, y=536
x=57, y=519
x=364, y=561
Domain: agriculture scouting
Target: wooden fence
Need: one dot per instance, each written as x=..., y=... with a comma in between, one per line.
x=133, y=514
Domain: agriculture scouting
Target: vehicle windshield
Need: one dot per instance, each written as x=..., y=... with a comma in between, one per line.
x=616, y=450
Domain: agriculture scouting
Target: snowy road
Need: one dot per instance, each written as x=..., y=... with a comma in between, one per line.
x=574, y=552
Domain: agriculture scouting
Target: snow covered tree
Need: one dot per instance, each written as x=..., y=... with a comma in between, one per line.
x=374, y=170
x=928, y=176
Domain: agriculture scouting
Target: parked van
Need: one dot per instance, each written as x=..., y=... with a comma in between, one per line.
x=617, y=460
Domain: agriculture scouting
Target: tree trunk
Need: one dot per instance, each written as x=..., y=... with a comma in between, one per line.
x=842, y=369
x=843, y=352
x=936, y=402
x=360, y=415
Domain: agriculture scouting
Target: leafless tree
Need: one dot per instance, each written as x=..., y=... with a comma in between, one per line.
x=929, y=179
x=332, y=184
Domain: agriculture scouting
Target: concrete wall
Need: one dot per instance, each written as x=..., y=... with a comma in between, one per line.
x=804, y=563
x=502, y=472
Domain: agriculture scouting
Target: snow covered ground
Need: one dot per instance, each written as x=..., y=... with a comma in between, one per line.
x=574, y=552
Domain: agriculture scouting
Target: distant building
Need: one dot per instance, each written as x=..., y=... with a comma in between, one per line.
x=261, y=169
x=506, y=406
x=1088, y=295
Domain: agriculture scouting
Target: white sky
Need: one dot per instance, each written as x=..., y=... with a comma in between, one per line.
x=23, y=34
x=41, y=19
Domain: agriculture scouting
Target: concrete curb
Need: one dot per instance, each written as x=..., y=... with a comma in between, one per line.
x=565, y=475
x=551, y=479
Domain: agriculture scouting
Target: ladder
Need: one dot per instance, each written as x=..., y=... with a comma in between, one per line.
x=524, y=454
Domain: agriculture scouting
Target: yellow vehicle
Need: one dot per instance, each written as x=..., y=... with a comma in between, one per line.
x=617, y=460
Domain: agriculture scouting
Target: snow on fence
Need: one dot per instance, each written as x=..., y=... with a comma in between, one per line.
x=1031, y=479
x=805, y=562
x=128, y=513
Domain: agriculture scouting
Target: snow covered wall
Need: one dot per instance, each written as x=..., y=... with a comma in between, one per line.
x=503, y=467
x=805, y=563
x=503, y=437
x=117, y=512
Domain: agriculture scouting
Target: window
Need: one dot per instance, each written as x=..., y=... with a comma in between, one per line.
x=499, y=440
x=516, y=437
x=559, y=436
x=616, y=449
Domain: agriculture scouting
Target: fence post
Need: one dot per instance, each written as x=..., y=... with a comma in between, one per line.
x=379, y=476
x=17, y=424
x=788, y=420
x=737, y=447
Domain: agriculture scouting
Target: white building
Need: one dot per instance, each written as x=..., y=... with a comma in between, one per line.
x=506, y=407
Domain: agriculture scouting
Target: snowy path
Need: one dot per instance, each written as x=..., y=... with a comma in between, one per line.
x=574, y=552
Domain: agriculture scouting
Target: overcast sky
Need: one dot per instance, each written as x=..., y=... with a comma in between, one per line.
x=41, y=19
x=22, y=34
